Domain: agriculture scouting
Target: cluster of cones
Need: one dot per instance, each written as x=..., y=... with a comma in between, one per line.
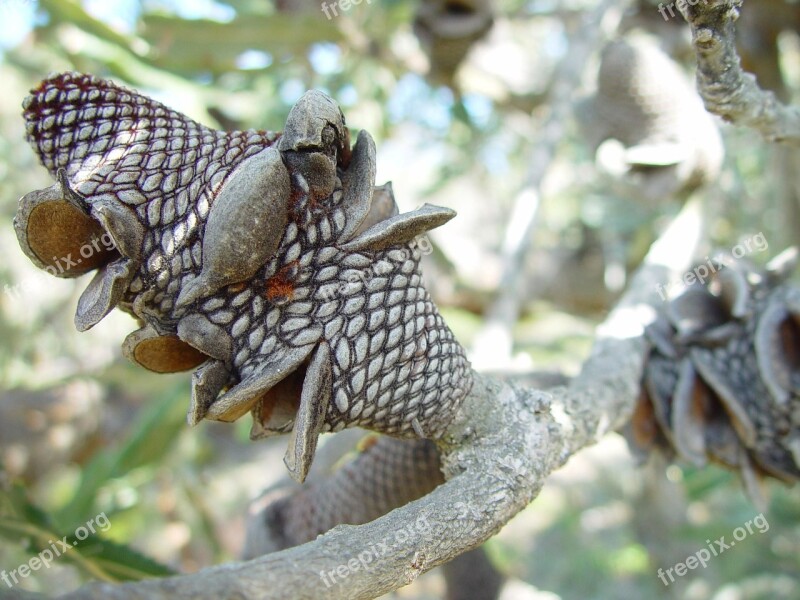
x=722, y=383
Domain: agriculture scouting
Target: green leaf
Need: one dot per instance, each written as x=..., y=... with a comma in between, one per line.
x=119, y=562
x=149, y=440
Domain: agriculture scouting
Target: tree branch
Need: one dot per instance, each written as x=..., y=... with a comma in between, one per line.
x=726, y=89
x=499, y=449
x=493, y=343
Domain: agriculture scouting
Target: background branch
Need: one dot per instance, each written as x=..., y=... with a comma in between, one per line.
x=493, y=345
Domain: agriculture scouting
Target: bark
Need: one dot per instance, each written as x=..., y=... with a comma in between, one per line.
x=726, y=89
x=500, y=447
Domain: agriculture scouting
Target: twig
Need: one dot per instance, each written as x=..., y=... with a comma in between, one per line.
x=493, y=342
x=726, y=89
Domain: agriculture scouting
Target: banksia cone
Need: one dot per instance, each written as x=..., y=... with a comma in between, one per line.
x=447, y=30
x=385, y=474
x=722, y=382
x=647, y=122
x=268, y=261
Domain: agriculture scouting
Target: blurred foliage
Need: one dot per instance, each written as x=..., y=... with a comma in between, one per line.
x=179, y=495
x=96, y=557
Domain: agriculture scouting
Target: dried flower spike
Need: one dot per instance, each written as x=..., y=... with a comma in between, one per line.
x=647, y=124
x=270, y=262
x=723, y=380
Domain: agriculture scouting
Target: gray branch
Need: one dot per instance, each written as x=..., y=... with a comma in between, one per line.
x=595, y=28
x=500, y=447
x=726, y=89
